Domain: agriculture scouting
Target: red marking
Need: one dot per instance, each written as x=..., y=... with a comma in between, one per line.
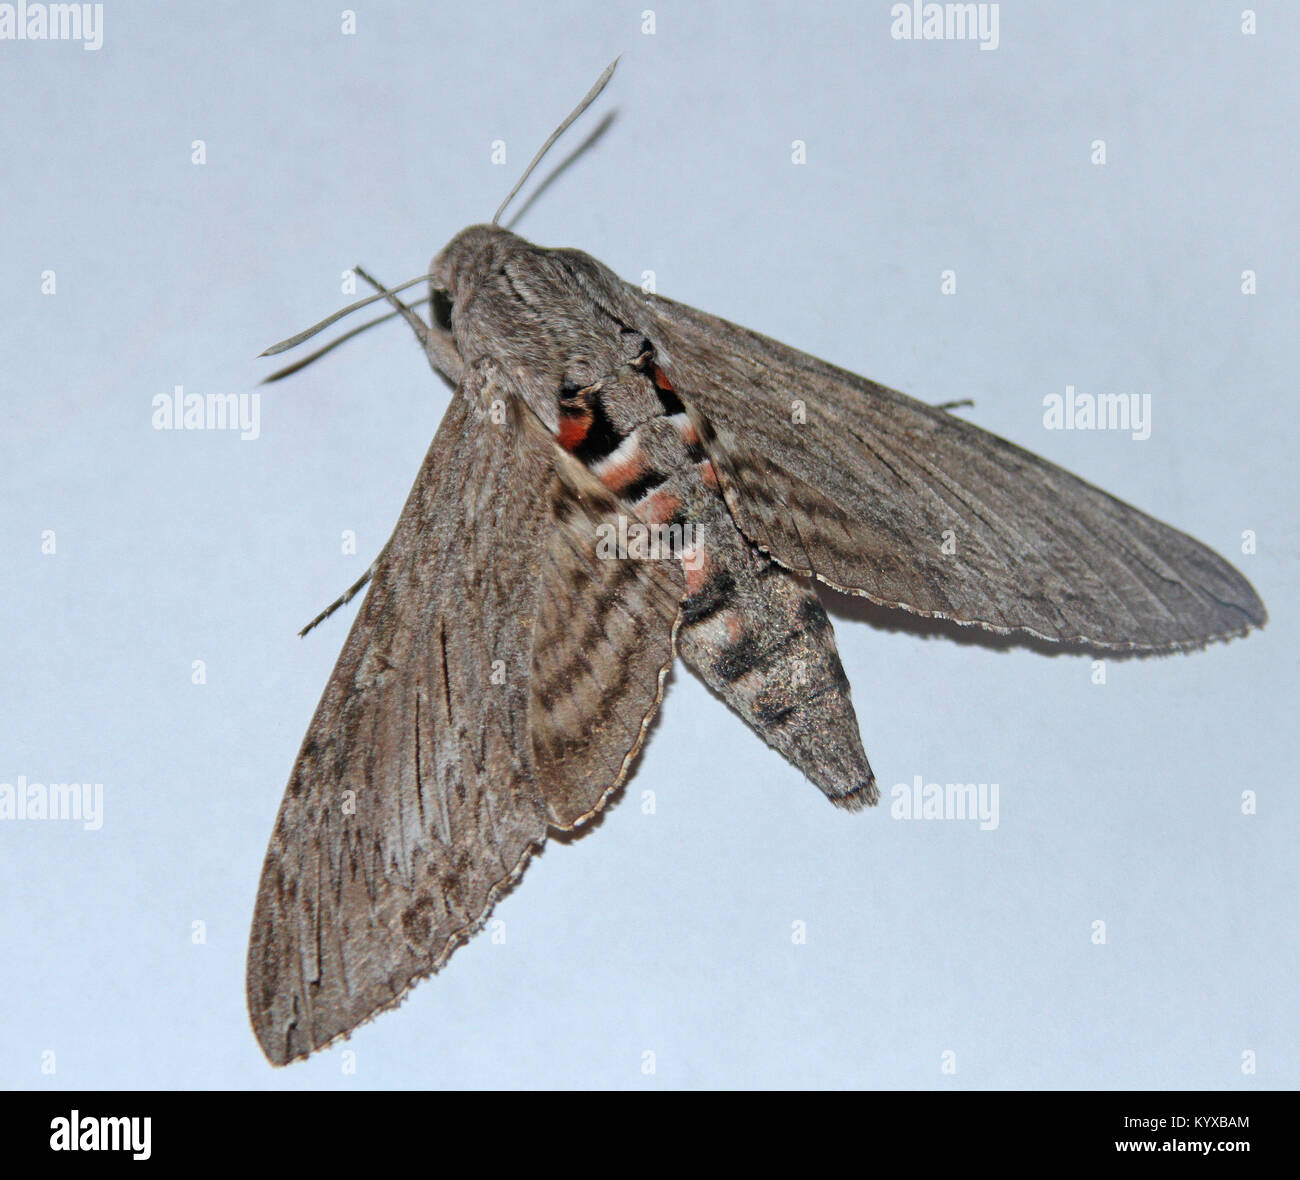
x=573, y=431
x=697, y=571
x=659, y=508
x=688, y=433
x=661, y=381
x=624, y=473
x=735, y=628
x=708, y=474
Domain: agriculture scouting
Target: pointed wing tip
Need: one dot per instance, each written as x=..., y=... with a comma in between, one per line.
x=276, y=1050
x=1236, y=618
x=282, y=1046
x=276, y=1059
x=282, y=1042
x=1235, y=596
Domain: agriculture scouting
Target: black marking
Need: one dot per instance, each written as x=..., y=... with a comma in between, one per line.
x=638, y=488
x=837, y=685
x=695, y=452
x=812, y=615
x=564, y=505
x=644, y=356
x=563, y=682
x=740, y=657
x=779, y=649
x=417, y=922
x=440, y=305
x=419, y=778
x=545, y=696
x=772, y=713
x=611, y=695
x=446, y=683
x=602, y=437
x=671, y=403
x=709, y=599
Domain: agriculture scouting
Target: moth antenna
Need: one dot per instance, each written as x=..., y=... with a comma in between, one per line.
x=418, y=326
x=303, y=362
x=308, y=333
x=560, y=130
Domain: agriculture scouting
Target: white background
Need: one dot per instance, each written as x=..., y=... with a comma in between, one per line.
x=669, y=932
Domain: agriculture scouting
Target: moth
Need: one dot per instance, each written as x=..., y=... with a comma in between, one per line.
x=509, y=655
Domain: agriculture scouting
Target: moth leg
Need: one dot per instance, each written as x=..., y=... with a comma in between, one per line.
x=439, y=346
x=418, y=326
x=960, y=403
x=348, y=595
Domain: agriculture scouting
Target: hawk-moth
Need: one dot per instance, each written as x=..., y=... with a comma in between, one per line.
x=503, y=668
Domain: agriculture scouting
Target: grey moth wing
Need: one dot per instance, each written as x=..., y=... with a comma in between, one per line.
x=855, y=483
x=496, y=682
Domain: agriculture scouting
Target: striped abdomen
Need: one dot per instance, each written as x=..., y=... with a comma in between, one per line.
x=755, y=632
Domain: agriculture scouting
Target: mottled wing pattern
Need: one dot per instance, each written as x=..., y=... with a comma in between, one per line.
x=416, y=800
x=862, y=490
x=412, y=800
x=604, y=643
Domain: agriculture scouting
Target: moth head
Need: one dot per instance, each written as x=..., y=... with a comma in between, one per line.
x=455, y=273
x=461, y=266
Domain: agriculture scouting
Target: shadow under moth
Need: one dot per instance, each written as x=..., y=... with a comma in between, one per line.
x=511, y=649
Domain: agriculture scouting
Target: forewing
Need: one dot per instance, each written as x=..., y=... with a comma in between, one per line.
x=856, y=483
x=415, y=800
